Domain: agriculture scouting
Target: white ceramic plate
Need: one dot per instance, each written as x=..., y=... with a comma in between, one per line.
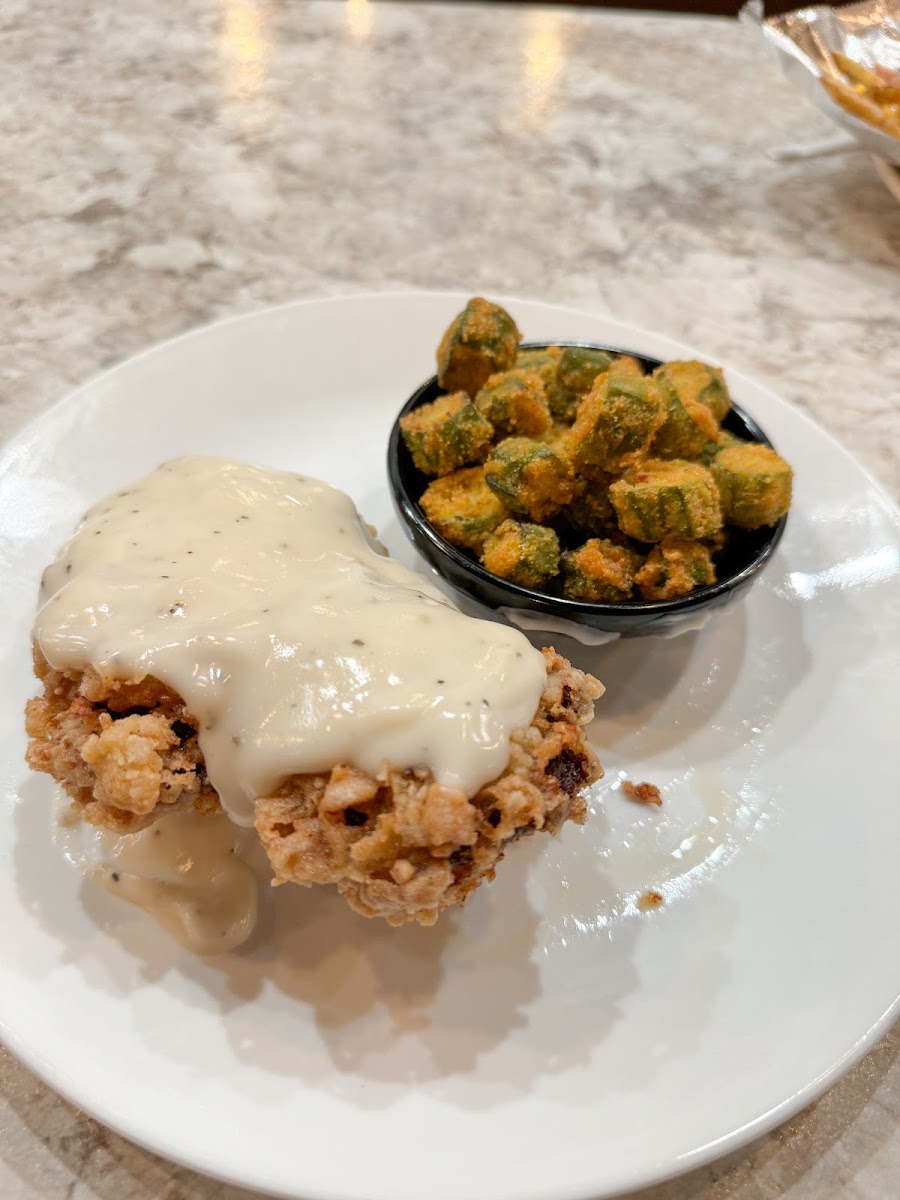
x=552, y=1040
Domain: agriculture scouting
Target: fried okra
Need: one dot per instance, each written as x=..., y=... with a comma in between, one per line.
x=599, y=572
x=688, y=425
x=588, y=451
x=446, y=434
x=561, y=440
x=674, y=568
x=529, y=477
x=480, y=341
x=579, y=366
x=543, y=361
x=617, y=419
x=754, y=483
x=698, y=381
x=725, y=439
x=667, y=498
x=515, y=402
x=591, y=509
x=462, y=508
x=522, y=553
x=576, y=370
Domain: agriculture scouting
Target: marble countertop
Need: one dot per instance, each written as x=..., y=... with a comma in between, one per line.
x=168, y=164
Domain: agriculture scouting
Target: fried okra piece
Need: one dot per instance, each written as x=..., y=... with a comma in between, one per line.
x=698, y=381
x=627, y=364
x=563, y=405
x=591, y=509
x=617, y=419
x=462, y=508
x=674, y=567
x=480, y=341
x=529, y=477
x=667, y=498
x=688, y=425
x=599, y=572
x=446, y=434
x=543, y=361
x=754, y=483
x=579, y=366
x=522, y=553
x=576, y=370
x=725, y=439
x=515, y=402
x=561, y=440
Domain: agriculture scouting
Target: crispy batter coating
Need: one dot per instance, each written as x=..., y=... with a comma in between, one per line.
x=754, y=484
x=663, y=498
x=544, y=361
x=515, y=403
x=688, y=427
x=523, y=553
x=127, y=759
x=480, y=340
x=125, y=752
x=698, y=381
x=674, y=567
x=591, y=510
x=618, y=418
x=529, y=477
x=599, y=572
x=462, y=508
x=446, y=434
x=399, y=846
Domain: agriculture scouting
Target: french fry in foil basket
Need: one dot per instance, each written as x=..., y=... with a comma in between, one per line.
x=870, y=95
x=845, y=60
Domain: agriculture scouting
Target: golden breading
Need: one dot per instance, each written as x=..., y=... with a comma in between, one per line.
x=127, y=759
x=77, y=713
x=399, y=846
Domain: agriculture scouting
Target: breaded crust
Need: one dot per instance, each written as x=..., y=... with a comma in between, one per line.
x=398, y=846
x=126, y=752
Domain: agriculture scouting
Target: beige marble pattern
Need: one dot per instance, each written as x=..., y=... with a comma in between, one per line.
x=165, y=164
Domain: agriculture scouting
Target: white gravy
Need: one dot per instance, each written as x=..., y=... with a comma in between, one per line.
x=259, y=596
x=189, y=872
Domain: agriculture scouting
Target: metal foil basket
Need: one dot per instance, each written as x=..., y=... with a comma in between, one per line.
x=805, y=40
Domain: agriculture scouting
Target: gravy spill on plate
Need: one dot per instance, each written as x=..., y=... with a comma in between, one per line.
x=190, y=872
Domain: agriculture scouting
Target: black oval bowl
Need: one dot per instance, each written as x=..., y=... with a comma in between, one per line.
x=738, y=565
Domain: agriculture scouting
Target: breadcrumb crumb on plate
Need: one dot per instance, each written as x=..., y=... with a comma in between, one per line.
x=642, y=793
